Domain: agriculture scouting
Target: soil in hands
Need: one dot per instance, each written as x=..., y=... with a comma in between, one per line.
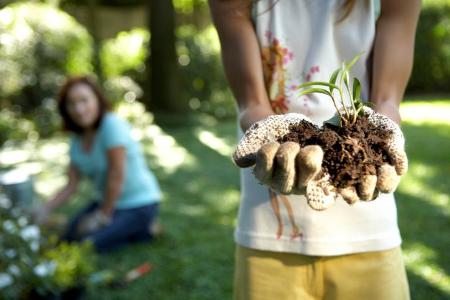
x=350, y=151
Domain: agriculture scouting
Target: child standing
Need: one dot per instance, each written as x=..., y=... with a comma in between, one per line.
x=269, y=47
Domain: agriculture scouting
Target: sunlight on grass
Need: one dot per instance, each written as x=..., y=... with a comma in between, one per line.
x=227, y=200
x=53, y=155
x=421, y=260
x=425, y=112
x=13, y=156
x=192, y=210
x=215, y=143
x=46, y=161
x=413, y=184
x=423, y=198
x=168, y=154
x=165, y=150
x=54, y=151
x=201, y=192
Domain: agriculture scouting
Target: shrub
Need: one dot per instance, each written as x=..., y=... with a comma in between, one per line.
x=202, y=82
x=431, y=71
x=34, y=263
x=39, y=46
x=202, y=76
x=123, y=64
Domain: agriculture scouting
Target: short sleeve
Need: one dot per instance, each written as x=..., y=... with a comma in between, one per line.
x=72, y=150
x=115, y=132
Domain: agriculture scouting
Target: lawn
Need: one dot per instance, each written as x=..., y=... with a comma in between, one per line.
x=194, y=259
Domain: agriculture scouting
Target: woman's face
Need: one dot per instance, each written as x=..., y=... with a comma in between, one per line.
x=82, y=105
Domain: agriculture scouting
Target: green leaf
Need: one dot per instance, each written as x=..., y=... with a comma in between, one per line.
x=315, y=90
x=346, y=77
x=333, y=78
x=342, y=72
x=354, y=60
x=335, y=120
x=320, y=83
x=356, y=89
x=359, y=110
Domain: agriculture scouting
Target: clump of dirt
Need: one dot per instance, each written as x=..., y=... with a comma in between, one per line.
x=350, y=151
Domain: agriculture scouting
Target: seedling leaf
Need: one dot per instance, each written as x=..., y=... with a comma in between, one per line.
x=315, y=90
x=356, y=89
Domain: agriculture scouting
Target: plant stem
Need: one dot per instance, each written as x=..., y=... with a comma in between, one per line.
x=337, y=109
x=351, y=98
x=341, y=95
x=343, y=103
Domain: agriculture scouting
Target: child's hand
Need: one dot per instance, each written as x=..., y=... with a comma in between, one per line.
x=275, y=164
x=395, y=149
x=388, y=176
x=287, y=168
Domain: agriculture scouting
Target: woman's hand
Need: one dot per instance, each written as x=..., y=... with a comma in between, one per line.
x=40, y=213
x=93, y=222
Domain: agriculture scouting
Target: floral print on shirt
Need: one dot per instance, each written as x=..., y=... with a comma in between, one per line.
x=275, y=58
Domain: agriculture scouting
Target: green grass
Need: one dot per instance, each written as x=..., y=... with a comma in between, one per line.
x=423, y=199
x=431, y=3
x=194, y=260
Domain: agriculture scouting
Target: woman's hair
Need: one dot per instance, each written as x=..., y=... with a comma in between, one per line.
x=68, y=123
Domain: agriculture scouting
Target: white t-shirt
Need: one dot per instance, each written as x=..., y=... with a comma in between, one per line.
x=302, y=40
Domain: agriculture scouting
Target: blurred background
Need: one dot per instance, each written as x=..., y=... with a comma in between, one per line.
x=159, y=64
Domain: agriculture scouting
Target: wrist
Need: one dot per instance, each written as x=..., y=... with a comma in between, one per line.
x=389, y=109
x=106, y=211
x=253, y=113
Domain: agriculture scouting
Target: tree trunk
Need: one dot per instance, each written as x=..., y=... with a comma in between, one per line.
x=162, y=67
x=93, y=29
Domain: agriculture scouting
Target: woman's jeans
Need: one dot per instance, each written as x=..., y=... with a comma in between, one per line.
x=127, y=225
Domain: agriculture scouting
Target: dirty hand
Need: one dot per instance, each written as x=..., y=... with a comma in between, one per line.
x=93, y=222
x=388, y=175
x=286, y=167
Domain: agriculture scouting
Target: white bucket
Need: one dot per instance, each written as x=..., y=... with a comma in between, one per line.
x=18, y=187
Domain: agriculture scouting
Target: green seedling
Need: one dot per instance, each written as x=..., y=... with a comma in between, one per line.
x=339, y=83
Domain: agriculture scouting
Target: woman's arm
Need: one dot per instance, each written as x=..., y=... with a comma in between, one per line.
x=393, y=54
x=114, y=180
x=241, y=58
x=69, y=189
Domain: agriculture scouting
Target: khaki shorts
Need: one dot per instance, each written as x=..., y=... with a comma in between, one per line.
x=264, y=275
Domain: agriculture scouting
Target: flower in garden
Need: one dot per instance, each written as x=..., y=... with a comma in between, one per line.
x=10, y=227
x=5, y=202
x=10, y=253
x=5, y=280
x=30, y=233
x=34, y=245
x=22, y=221
x=14, y=270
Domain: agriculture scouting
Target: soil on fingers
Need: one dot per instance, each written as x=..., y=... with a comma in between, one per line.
x=350, y=151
